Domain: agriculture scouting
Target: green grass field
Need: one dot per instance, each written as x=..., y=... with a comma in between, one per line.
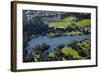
x=83, y=22
x=64, y=24
x=58, y=24
x=73, y=33
x=69, y=19
x=69, y=51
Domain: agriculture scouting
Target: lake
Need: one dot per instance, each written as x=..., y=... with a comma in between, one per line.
x=53, y=42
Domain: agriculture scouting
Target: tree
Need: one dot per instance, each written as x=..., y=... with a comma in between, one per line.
x=44, y=47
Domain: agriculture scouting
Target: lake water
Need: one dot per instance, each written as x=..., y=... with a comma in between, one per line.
x=53, y=42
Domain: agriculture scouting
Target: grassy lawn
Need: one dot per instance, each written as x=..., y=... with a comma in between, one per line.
x=67, y=19
x=83, y=22
x=73, y=33
x=58, y=24
x=65, y=22
x=69, y=51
